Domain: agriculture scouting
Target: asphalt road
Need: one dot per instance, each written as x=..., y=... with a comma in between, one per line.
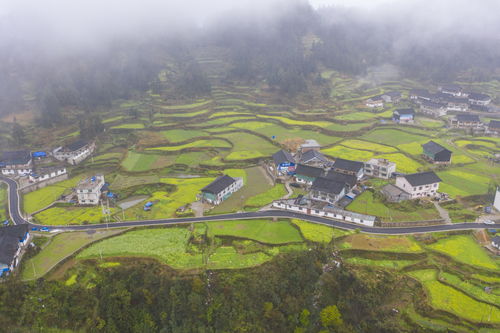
x=14, y=209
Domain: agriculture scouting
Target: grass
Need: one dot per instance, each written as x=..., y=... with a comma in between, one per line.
x=464, y=249
x=264, y=231
x=205, y=143
x=391, y=136
x=348, y=153
x=3, y=202
x=125, y=181
x=368, y=203
x=469, y=288
x=43, y=197
x=179, y=135
x=449, y=299
x=391, y=264
x=318, y=233
x=71, y=215
x=403, y=244
x=486, y=278
x=168, y=245
x=226, y=257
x=248, y=146
x=60, y=246
x=138, y=162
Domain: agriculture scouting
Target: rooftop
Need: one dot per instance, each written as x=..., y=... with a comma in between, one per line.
x=9, y=241
x=75, y=145
x=467, y=118
x=342, y=177
x=433, y=147
x=328, y=185
x=479, y=97
x=311, y=154
x=308, y=171
x=408, y=111
x=310, y=143
x=15, y=157
x=91, y=183
x=430, y=104
x=219, y=184
x=422, y=178
x=494, y=124
x=348, y=165
x=282, y=156
x=381, y=162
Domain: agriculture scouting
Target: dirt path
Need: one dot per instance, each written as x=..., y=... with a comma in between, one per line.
x=443, y=213
x=266, y=175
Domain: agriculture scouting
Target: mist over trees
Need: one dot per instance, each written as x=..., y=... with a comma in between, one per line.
x=259, y=46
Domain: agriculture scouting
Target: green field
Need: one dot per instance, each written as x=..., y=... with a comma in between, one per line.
x=391, y=264
x=403, y=163
x=125, y=181
x=179, y=135
x=403, y=244
x=318, y=233
x=267, y=197
x=449, y=299
x=226, y=257
x=71, y=215
x=464, y=249
x=129, y=126
x=264, y=231
x=460, y=181
x=469, y=288
x=213, y=143
x=248, y=146
x=59, y=247
x=339, y=151
x=187, y=106
x=392, y=136
x=43, y=197
x=365, y=145
x=138, y=162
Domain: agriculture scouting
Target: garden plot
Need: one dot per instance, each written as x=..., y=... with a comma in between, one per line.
x=226, y=257
x=125, y=181
x=318, y=233
x=391, y=264
x=365, y=145
x=403, y=163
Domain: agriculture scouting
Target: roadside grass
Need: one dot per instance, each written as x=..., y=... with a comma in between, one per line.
x=366, y=145
x=368, y=203
x=318, y=233
x=205, y=143
x=179, y=135
x=391, y=136
x=339, y=151
x=402, y=244
x=168, y=245
x=166, y=204
x=403, y=163
x=264, y=231
x=469, y=288
x=262, y=199
x=443, y=297
x=3, y=202
x=461, y=182
x=60, y=246
x=464, y=249
x=71, y=215
x=138, y=162
x=43, y=197
x=391, y=264
x=125, y=181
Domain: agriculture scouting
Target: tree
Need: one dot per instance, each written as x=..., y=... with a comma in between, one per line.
x=331, y=317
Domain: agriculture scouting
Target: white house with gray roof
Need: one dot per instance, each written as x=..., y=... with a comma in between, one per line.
x=418, y=185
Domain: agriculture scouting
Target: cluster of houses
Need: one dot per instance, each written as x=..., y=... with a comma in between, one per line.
x=42, y=167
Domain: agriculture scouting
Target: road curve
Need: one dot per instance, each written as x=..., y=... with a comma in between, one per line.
x=17, y=218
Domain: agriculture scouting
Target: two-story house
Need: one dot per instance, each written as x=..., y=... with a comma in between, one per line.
x=349, y=167
x=417, y=185
x=284, y=162
x=305, y=174
x=327, y=190
x=89, y=190
x=380, y=168
x=221, y=189
x=75, y=152
x=466, y=121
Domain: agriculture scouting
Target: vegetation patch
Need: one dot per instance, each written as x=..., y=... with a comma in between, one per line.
x=71, y=215
x=391, y=264
x=403, y=163
x=403, y=244
x=125, y=181
x=267, y=197
x=43, y=197
x=317, y=232
x=208, y=143
x=339, y=151
x=365, y=145
x=461, y=182
x=226, y=257
x=129, y=126
x=391, y=136
x=179, y=135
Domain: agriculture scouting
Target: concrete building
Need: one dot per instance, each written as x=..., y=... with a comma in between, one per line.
x=375, y=102
x=380, y=168
x=496, y=202
x=314, y=158
x=453, y=90
x=89, y=190
x=74, y=153
x=418, y=185
x=220, y=189
x=433, y=109
x=13, y=239
x=391, y=96
x=394, y=194
x=494, y=127
x=16, y=163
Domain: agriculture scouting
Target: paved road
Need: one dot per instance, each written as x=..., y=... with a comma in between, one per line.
x=14, y=204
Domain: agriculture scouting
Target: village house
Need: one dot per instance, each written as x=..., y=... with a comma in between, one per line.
x=89, y=190
x=494, y=127
x=45, y=173
x=380, y=168
x=391, y=96
x=284, y=162
x=350, y=181
x=305, y=174
x=420, y=94
x=405, y=116
x=432, y=108
x=314, y=158
x=479, y=99
x=327, y=190
x=394, y=194
x=16, y=163
x=466, y=121
x=74, y=153
x=456, y=104
x=453, y=90
x=495, y=242
x=309, y=144
x=221, y=189
x=375, y=102
x=349, y=167
x=435, y=153
x=417, y=185
x=13, y=240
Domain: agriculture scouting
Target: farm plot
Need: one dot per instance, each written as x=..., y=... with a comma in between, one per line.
x=129, y=126
x=179, y=135
x=391, y=136
x=469, y=288
x=264, y=231
x=339, y=151
x=248, y=146
x=187, y=106
x=461, y=182
x=58, y=248
x=71, y=215
x=318, y=233
x=138, y=162
x=267, y=197
x=402, y=244
x=226, y=257
x=370, y=203
x=365, y=145
x=358, y=116
x=449, y=299
x=391, y=264
x=464, y=249
x=122, y=181
x=168, y=245
x=403, y=162
x=287, y=121
x=199, y=144
x=43, y=197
